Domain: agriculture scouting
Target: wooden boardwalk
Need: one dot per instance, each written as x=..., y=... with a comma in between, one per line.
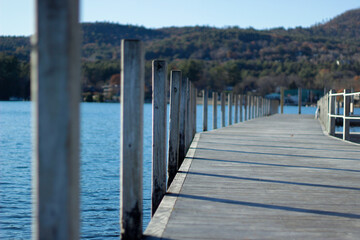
x=278, y=177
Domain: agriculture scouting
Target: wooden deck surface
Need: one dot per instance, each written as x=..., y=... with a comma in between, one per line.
x=278, y=177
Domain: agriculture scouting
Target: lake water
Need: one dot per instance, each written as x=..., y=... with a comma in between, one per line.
x=99, y=167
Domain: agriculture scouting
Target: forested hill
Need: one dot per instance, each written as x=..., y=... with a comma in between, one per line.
x=324, y=55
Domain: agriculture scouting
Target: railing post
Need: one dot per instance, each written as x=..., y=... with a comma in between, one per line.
x=236, y=108
x=222, y=96
x=131, y=139
x=205, y=108
x=249, y=100
x=257, y=106
x=299, y=100
x=246, y=103
x=346, y=122
x=241, y=107
x=352, y=102
x=214, y=96
x=194, y=94
x=331, y=112
x=159, y=107
x=55, y=86
x=230, y=109
x=182, y=125
x=174, y=122
x=188, y=117
x=252, y=107
x=282, y=100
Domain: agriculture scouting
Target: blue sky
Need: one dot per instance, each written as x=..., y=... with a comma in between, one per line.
x=17, y=16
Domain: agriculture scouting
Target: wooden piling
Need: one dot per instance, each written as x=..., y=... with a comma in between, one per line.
x=174, y=121
x=249, y=106
x=230, y=96
x=331, y=111
x=205, y=109
x=193, y=114
x=55, y=86
x=131, y=139
x=241, y=107
x=188, y=132
x=246, y=103
x=236, y=104
x=159, y=107
x=300, y=100
x=222, y=96
x=346, y=122
x=214, y=98
x=182, y=126
x=282, y=100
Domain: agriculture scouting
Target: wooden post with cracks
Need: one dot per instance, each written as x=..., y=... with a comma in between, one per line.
x=182, y=124
x=131, y=139
x=174, y=121
x=159, y=107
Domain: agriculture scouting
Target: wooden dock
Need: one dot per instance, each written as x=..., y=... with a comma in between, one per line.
x=277, y=177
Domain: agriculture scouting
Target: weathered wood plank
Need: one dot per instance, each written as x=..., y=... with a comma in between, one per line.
x=131, y=138
x=159, y=108
x=270, y=178
x=174, y=123
x=55, y=78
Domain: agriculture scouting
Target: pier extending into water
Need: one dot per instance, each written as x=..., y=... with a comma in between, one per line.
x=269, y=177
x=278, y=177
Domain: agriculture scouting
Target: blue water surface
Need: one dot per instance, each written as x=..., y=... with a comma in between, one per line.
x=100, y=167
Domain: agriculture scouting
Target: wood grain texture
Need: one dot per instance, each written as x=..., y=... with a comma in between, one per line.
x=174, y=122
x=159, y=130
x=182, y=124
x=131, y=138
x=55, y=80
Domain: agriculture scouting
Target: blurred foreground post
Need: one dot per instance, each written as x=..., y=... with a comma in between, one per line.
x=55, y=86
